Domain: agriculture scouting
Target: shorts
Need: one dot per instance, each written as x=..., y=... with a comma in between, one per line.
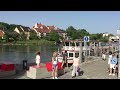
x=55, y=66
x=113, y=66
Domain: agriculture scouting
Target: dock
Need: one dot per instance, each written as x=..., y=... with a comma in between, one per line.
x=92, y=69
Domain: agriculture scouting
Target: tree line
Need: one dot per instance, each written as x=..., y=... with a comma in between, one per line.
x=53, y=36
x=80, y=33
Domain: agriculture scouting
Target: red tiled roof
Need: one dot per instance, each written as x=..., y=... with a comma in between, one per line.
x=39, y=25
x=1, y=33
x=51, y=27
x=42, y=30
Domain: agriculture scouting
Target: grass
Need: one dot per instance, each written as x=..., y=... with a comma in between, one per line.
x=36, y=42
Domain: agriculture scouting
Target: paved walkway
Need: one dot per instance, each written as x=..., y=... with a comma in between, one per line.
x=96, y=69
x=92, y=70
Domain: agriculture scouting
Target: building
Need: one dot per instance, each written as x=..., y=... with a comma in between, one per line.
x=42, y=30
x=105, y=34
x=2, y=33
x=25, y=30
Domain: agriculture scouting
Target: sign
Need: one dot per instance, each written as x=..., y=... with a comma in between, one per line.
x=86, y=38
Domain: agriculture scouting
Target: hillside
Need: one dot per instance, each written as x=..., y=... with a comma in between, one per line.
x=10, y=27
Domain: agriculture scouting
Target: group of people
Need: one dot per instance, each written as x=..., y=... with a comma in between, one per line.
x=54, y=63
x=76, y=64
x=112, y=63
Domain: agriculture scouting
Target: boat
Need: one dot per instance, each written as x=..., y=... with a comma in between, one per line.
x=72, y=47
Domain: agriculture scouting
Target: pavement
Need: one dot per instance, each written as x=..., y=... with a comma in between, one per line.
x=92, y=69
x=96, y=69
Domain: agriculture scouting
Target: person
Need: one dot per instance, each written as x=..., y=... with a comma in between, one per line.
x=109, y=58
x=65, y=55
x=55, y=65
x=103, y=56
x=76, y=66
x=38, y=59
x=113, y=63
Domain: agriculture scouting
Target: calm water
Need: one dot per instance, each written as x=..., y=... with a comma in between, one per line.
x=17, y=54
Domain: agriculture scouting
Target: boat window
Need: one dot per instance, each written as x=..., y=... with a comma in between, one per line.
x=77, y=44
x=76, y=54
x=72, y=44
x=67, y=43
x=63, y=43
x=70, y=54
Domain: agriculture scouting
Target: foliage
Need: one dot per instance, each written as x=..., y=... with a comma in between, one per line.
x=33, y=36
x=76, y=34
x=54, y=36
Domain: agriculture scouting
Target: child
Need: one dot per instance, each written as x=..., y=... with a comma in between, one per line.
x=38, y=59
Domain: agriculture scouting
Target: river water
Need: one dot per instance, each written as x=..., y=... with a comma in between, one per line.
x=17, y=53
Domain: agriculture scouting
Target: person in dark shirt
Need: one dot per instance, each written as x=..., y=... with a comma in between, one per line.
x=65, y=62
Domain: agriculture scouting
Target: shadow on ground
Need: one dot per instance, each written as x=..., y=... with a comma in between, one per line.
x=81, y=73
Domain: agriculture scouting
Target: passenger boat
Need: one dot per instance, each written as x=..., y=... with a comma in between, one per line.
x=72, y=47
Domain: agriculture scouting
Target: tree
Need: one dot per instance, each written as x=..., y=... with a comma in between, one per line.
x=6, y=25
x=54, y=36
x=23, y=36
x=33, y=35
x=82, y=33
x=104, y=39
x=2, y=27
x=71, y=31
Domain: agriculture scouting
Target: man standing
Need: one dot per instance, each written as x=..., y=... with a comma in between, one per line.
x=76, y=66
x=65, y=56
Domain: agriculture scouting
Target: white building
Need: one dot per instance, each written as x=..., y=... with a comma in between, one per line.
x=105, y=34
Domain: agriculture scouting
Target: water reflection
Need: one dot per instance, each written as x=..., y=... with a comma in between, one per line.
x=18, y=53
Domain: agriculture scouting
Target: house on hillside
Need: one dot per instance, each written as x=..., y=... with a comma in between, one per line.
x=105, y=34
x=2, y=33
x=61, y=33
x=42, y=30
x=21, y=30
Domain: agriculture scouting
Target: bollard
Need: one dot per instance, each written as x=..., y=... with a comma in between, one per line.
x=24, y=64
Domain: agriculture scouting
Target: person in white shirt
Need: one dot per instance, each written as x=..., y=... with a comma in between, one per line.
x=103, y=56
x=38, y=59
x=76, y=66
x=109, y=58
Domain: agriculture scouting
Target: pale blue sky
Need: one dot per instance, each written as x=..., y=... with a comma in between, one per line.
x=92, y=21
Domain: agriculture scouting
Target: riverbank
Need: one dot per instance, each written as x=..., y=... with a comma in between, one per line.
x=31, y=42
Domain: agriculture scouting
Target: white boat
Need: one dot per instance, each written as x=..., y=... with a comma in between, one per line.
x=72, y=47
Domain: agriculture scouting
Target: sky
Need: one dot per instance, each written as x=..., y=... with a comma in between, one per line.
x=92, y=21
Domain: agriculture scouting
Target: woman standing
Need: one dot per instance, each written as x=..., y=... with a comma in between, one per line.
x=38, y=59
x=55, y=65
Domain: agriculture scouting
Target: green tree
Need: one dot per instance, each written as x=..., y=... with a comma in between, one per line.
x=71, y=31
x=33, y=36
x=6, y=25
x=54, y=36
x=82, y=33
x=104, y=39
x=2, y=27
x=23, y=36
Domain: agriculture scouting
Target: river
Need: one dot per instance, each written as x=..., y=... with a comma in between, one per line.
x=17, y=53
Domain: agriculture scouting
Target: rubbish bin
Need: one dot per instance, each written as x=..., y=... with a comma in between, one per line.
x=24, y=64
